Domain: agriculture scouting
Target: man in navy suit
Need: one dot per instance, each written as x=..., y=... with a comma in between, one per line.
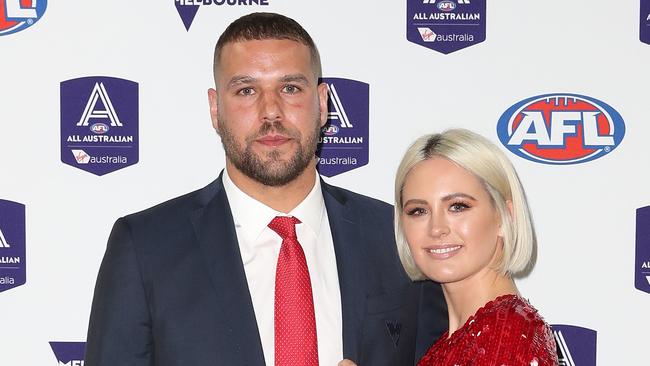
x=192, y=281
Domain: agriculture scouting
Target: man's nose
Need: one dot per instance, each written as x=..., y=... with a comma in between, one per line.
x=270, y=106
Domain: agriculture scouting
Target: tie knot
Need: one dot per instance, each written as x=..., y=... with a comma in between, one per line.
x=285, y=226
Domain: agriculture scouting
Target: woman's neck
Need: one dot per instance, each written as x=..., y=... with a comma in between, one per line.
x=465, y=297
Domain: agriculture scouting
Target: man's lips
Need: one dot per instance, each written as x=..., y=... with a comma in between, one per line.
x=273, y=140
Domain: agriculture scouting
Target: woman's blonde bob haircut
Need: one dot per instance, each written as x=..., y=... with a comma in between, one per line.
x=492, y=168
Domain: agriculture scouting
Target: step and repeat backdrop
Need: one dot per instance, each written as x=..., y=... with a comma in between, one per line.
x=104, y=112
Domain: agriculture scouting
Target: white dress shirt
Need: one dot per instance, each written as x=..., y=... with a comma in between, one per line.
x=260, y=248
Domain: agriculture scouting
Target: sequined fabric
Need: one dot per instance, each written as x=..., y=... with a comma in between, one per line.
x=506, y=331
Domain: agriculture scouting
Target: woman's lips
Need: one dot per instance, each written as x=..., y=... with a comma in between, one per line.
x=443, y=251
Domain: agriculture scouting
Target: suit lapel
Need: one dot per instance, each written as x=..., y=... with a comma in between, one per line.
x=215, y=231
x=351, y=266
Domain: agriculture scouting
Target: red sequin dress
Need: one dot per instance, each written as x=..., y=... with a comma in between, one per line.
x=506, y=331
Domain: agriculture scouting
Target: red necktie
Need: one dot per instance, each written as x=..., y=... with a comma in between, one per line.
x=295, y=323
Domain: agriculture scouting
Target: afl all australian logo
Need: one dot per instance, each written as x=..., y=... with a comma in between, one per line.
x=16, y=15
x=99, y=123
x=561, y=128
x=12, y=245
x=445, y=25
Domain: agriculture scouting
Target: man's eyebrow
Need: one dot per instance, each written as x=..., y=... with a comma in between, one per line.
x=246, y=79
x=240, y=79
x=295, y=78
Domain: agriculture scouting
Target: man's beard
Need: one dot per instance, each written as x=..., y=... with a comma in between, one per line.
x=272, y=172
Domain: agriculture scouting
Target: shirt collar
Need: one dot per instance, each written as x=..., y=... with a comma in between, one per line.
x=254, y=216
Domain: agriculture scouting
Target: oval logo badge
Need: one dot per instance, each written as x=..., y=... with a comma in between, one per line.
x=561, y=128
x=446, y=5
x=20, y=14
x=99, y=128
x=330, y=130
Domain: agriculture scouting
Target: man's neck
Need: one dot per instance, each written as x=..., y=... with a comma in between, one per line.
x=281, y=198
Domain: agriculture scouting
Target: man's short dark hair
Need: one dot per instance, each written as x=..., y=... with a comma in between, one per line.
x=262, y=26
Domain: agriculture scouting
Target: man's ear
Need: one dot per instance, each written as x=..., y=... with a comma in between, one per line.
x=322, y=103
x=212, y=100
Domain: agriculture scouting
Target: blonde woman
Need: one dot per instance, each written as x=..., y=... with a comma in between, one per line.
x=462, y=220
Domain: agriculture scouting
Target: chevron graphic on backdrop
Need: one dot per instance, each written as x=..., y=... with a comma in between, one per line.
x=563, y=353
x=3, y=241
x=99, y=94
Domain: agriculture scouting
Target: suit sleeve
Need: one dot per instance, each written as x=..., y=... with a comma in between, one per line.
x=432, y=316
x=119, y=332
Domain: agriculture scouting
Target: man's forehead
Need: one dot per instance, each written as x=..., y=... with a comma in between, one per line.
x=280, y=56
x=261, y=45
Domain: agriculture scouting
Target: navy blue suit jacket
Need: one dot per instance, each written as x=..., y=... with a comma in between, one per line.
x=172, y=289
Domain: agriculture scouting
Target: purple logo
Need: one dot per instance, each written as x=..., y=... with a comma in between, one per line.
x=343, y=145
x=642, y=271
x=187, y=8
x=17, y=15
x=576, y=346
x=12, y=245
x=561, y=128
x=99, y=123
x=445, y=25
x=644, y=31
x=69, y=353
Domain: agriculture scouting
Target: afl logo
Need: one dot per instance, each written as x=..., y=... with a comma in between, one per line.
x=99, y=128
x=330, y=130
x=561, y=128
x=16, y=15
x=446, y=5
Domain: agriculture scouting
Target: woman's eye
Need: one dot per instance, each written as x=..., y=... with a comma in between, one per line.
x=417, y=211
x=458, y=207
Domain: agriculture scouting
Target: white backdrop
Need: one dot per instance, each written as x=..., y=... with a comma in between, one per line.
x=584, y=214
